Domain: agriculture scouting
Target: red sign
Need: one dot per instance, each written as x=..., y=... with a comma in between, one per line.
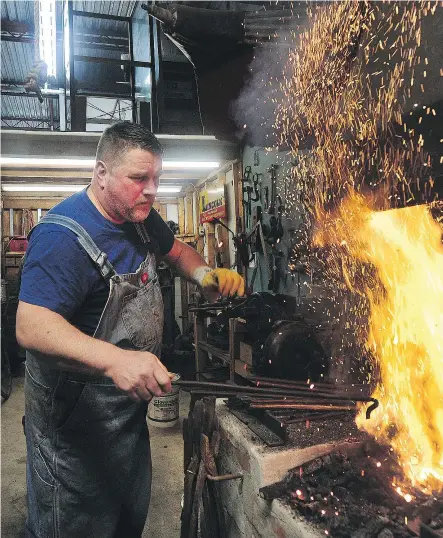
x=212, y=204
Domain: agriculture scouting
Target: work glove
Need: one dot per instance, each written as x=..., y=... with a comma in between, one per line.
x=224, y=281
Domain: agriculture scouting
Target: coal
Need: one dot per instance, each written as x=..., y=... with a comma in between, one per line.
x=350, y=494
x=311, y=433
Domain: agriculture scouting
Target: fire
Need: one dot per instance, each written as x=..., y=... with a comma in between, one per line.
x=345, y=102
x=405, y=326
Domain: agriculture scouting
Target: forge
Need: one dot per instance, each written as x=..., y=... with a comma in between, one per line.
x=326, y=478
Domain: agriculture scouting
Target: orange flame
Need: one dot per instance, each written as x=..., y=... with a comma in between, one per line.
x=405, y=327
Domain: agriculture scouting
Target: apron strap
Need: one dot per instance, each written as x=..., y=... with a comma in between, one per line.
x=97, y=256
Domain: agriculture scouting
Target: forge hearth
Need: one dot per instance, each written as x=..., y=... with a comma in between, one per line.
x=327, y=479
x=247, y=514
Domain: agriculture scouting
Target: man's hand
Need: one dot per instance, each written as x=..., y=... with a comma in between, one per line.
x=140, y=374
x=224, y=281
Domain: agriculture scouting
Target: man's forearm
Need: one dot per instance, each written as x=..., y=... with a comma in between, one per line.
x=188, y=262
x=47, y=333
x=214, y=282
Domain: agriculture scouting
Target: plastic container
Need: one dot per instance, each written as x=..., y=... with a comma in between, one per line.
x=163, y=411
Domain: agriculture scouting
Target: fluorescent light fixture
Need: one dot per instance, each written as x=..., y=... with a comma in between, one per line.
x=47, y=187
x=35, y=187
x=190, y=165
x=169, y=188
x=47, y=34
x=89, y=163
x=46, y=163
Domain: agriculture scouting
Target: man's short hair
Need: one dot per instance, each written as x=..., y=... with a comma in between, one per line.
x=122, y=136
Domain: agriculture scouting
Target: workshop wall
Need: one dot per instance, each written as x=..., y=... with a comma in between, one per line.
x=316, y=302
x=278, y=248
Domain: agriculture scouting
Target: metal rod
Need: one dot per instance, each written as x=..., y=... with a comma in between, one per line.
x=269, y=381
x=132, y=73
x=116, y=61
x=92, y=15
x=307, y=389
x=218, y=394
x=72, y=82
x=309, y=407
x=270, y=398
x=266, y=391
x=155, y=106
x=323, y=401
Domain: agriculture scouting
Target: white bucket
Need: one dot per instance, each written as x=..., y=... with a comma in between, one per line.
x=163, y=411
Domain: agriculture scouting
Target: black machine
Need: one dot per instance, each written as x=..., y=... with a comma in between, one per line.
x=284, y=345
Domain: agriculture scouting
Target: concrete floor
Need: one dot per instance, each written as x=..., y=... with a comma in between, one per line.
x=167, y=482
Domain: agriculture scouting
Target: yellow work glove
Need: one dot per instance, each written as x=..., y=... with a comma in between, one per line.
x=225, y=281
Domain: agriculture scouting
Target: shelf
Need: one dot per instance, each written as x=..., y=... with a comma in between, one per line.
x=219, y=353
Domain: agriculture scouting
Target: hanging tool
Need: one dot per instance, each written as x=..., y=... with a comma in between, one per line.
x=255, y=246
x=266, y=198
x=275, y=232
x=273, y=171
x=247, y=191
x=280, y=209
x=256, y=181
x=258, y=246
x=247, y=207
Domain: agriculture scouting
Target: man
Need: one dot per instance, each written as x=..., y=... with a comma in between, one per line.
x=90, y=317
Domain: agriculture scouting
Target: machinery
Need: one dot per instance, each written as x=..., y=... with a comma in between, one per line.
x=283, y=344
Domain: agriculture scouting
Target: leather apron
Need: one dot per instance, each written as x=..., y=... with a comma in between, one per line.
x=89, y=462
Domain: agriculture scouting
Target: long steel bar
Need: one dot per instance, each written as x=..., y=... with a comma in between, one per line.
x=105, y=16
x=270, y=398
x=116, y=61
x=313, y=389
x=240, y=389
x=289, y=400
x=132, y=73
x=277, y=382
x=307, y=406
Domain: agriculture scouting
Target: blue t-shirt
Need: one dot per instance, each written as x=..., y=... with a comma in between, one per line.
x=59, y=275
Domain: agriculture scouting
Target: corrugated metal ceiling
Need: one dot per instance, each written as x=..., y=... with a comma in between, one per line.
x=30, y=108
x=17, y=58
x=106, y=7
x=20, y=11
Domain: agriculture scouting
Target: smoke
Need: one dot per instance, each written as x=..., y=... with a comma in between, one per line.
x=255, y=109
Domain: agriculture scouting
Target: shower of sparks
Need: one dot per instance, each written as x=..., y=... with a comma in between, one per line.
x=347, y=77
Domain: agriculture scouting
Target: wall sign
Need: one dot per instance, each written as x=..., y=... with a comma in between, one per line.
x=212, y=204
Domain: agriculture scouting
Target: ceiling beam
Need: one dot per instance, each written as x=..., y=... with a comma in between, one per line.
x=16, y=27
x=84, y=145
x=25, y=118
x=24, y=94
x=22, y=38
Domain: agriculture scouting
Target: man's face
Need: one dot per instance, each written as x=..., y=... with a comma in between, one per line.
x=130, y=185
